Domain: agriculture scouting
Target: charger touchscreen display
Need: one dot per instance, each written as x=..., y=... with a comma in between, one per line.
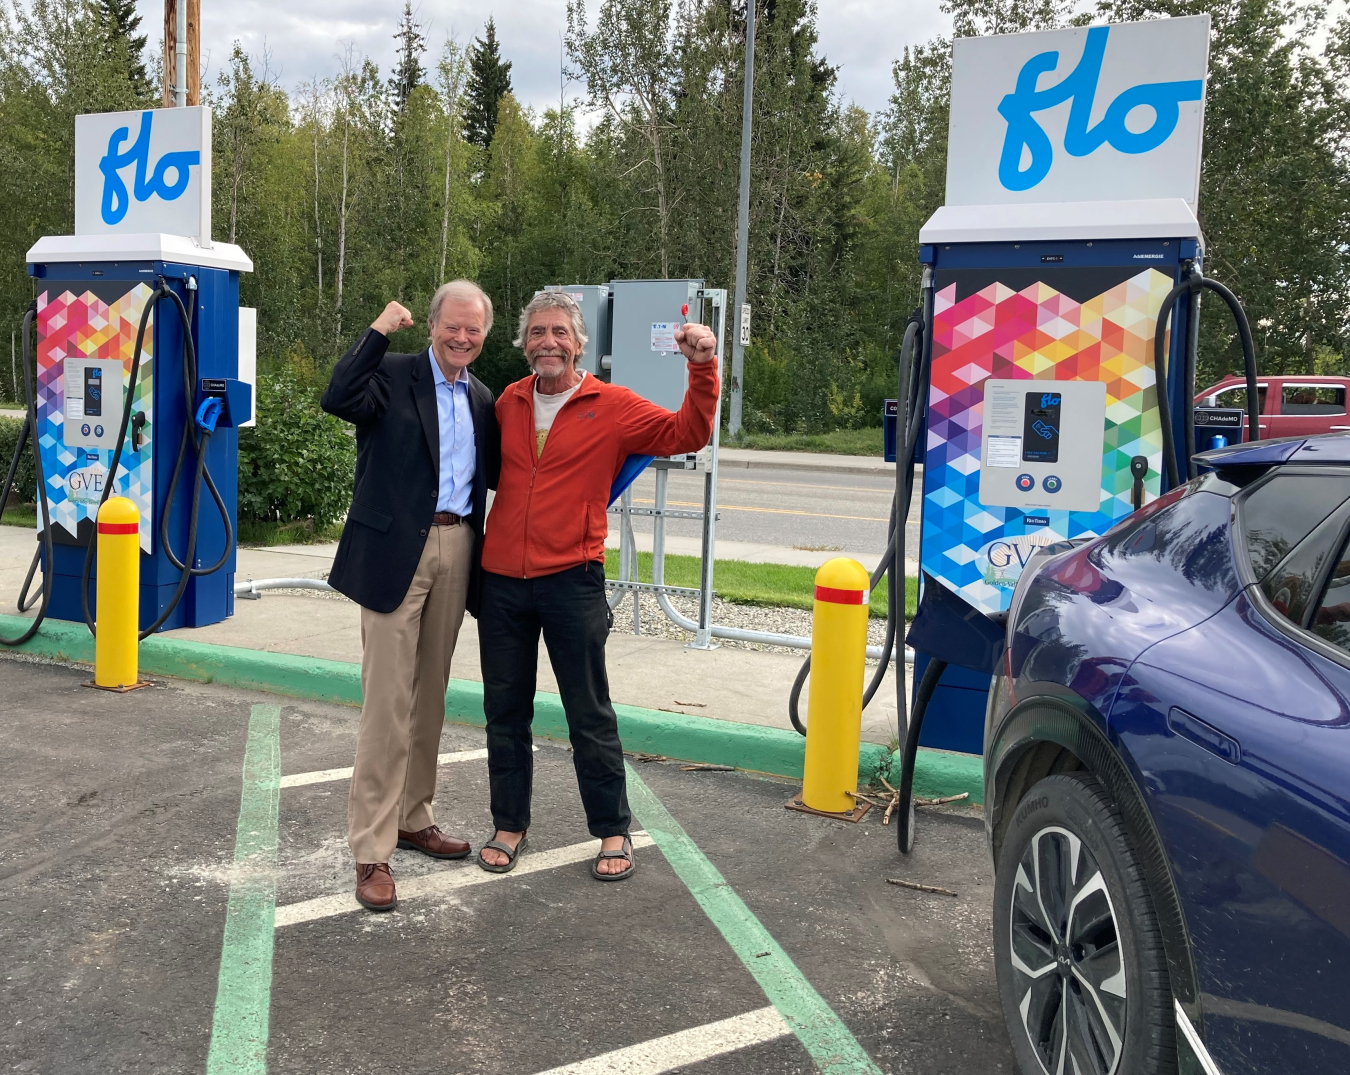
x=1040, y=427
x=93, y=392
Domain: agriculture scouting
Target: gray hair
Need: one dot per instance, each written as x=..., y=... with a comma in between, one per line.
x=465, y=290
x=552, y=300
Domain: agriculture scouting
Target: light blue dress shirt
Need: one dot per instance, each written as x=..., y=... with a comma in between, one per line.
x=455, y=419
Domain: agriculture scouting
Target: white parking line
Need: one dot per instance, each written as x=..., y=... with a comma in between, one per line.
x=321, y=776
x=465, y=875
x=684, y=1047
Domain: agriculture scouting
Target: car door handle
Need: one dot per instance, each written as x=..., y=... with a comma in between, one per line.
x=1340, y=427
x=1204, y=735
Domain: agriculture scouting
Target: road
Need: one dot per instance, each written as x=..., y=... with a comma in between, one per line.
x=815, y=510
x=158, y=914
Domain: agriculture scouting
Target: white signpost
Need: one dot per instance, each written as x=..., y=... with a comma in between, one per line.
x=1089, y=114
x=144, y=172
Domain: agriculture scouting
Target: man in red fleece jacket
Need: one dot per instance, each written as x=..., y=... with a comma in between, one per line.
x=565, y=434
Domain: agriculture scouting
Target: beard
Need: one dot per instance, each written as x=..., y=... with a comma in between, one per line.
x=554, y=371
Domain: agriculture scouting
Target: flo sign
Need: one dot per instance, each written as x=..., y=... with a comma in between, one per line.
x=144, y=172
x=1098, y=113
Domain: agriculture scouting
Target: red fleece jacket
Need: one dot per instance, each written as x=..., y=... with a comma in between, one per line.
x=550, y=513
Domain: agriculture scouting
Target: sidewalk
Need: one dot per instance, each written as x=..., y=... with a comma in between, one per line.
x=732, y=684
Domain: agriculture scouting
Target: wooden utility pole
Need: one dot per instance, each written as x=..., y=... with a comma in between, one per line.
x=189, y=19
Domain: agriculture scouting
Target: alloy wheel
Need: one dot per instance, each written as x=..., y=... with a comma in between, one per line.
x=1066, y=957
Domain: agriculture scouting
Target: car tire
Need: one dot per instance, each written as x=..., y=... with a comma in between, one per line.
x=1076, y=939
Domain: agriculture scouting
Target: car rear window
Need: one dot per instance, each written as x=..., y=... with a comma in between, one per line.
x=1281, y=512
x=1332, y=619
x=1312, y=399
x=1292, y=585
x=1237, y=397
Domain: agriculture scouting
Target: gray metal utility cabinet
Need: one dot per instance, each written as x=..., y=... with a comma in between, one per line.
x=645, y=315
x=594, y=302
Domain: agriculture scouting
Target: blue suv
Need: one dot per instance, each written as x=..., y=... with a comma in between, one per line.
x=1167, y=770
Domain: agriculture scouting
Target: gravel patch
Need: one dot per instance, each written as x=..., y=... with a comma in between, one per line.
x=784, y=621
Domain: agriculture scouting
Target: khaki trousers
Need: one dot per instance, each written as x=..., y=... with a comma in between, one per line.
x=405, y=669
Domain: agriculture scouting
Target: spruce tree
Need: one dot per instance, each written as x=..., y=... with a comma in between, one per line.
x=489, y=82
x=120, y=21
x=408, y=71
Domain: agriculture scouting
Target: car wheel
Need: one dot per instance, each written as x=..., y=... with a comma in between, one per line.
x=1081, y=971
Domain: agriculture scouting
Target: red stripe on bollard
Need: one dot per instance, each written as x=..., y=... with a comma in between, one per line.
x=119, y=528
x=840, y=597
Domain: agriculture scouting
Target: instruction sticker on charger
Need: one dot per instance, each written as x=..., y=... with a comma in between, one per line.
x=1043, y=444
x=663, y=335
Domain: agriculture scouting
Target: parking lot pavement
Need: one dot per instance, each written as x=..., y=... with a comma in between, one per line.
x=177, y=897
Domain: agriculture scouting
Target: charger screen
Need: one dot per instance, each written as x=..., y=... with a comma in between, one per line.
x=93, y=392
x=1040, y=427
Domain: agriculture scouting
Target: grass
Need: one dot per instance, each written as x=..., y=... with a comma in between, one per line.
x=24, y=515
x=771, y=585
x=297, y=532
x=840, y=442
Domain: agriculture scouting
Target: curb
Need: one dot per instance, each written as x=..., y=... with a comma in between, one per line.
x=774, y=751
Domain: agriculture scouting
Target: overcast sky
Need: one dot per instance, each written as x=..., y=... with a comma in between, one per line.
x=305, y=37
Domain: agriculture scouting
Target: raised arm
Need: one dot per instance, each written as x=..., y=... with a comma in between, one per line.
x=647, y=429
x=356, y=392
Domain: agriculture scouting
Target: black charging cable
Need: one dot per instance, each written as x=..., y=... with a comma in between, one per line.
x=27, y=435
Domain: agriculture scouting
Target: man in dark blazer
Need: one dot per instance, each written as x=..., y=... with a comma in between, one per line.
x=427, y=451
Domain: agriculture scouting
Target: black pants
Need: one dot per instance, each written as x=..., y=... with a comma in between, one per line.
x=571, y=610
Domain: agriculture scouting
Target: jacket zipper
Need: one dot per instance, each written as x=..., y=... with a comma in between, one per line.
x=533, y=441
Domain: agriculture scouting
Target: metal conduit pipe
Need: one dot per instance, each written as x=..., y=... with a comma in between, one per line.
x=245, y=589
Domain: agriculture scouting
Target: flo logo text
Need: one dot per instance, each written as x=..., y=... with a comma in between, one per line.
x=146, y=183
x=1026, y=137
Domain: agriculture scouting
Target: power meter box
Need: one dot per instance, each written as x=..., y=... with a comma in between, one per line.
x=647, y=314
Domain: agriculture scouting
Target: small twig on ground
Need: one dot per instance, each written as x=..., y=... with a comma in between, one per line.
x=639, y=756
x=887, y=785
x=890, y=809
x=702, y=768
x=858, y=797
x=920, y=888
x=700, y=705
x=945, y=799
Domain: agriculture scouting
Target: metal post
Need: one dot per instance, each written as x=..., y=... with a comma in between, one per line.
x=180, y=80
x=703, y=638
x=742, y=223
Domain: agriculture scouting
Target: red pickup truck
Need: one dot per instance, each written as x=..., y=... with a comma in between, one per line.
x=1290, y=406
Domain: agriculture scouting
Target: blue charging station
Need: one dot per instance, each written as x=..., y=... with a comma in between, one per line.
x=1040, y=355
x=92, y=293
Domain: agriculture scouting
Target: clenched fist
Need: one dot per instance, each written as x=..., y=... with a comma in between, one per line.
x=394, y=317
x=696, y=342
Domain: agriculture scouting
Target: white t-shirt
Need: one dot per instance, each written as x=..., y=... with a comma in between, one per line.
x=546, y=409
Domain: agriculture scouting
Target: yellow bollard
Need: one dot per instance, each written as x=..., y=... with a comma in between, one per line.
x=118, y=594
x=834, y=704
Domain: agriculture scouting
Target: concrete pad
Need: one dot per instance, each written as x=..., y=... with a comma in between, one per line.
x=118, y=859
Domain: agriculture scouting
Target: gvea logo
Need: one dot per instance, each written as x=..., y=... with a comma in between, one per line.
x=115, y=199
x=1080, y=87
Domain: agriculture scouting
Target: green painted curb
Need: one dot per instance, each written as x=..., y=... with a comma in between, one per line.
x=676, y=735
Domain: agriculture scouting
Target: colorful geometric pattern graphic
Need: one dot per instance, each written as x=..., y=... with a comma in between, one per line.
x=1037, y=334
x=82, y=325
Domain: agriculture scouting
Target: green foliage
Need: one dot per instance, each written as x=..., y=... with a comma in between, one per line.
x=372, y=185
x=298, y=462
x=866, y=441
x=489, y=82
x=25, y=479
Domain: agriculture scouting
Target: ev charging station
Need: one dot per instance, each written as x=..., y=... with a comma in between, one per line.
x=1072, y=185
x=141, y=267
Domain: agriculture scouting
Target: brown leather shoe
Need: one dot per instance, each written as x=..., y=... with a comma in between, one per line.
x=431, y=841
x=375, y=886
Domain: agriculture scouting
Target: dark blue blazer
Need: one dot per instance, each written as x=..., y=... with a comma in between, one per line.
x=391, y=399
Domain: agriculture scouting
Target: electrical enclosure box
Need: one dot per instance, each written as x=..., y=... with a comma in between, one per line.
x=646, y=315
x=594, y=300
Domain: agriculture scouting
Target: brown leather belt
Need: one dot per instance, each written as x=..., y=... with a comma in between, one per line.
x=446, y=518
